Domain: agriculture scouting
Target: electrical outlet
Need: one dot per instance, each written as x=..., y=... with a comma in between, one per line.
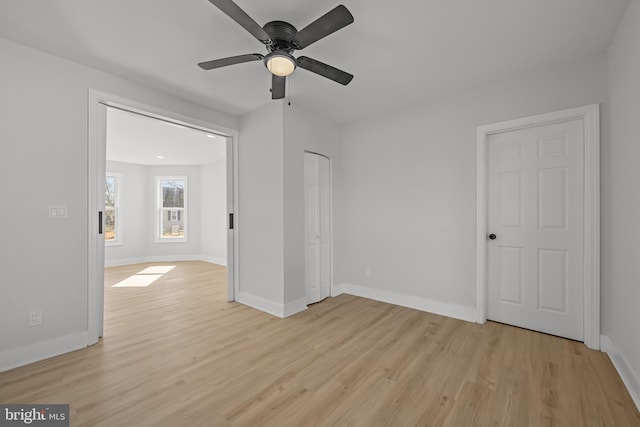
x=35, y=316
x=367, y=272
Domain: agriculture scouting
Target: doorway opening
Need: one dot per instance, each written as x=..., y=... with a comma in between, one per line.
x=165, y=191
x=161, y=191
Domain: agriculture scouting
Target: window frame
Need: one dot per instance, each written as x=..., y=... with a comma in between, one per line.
x=161, y=211
x=117, y=207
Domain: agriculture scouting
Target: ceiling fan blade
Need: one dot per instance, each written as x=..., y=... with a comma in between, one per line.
x=325, y=70
x=240, y=16
x=217, y=63
x=329, y=23
x=277, y=86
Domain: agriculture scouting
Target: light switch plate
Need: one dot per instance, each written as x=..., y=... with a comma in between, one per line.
x=58, y=211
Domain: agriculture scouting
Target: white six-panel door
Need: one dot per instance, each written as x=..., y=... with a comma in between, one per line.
x=317, y=227
x=535, y=228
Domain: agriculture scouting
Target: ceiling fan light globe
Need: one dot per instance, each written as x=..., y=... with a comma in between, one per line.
x=280, y=64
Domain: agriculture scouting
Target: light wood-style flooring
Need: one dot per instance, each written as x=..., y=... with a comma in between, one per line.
x=176, y=353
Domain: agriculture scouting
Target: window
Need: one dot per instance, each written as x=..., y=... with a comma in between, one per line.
x=174, y=215
x=112, y=217
x=172, y=207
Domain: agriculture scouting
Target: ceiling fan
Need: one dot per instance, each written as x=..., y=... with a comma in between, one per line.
x=281, y=39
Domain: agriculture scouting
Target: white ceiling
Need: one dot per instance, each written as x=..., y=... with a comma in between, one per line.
x=402, y=52
x=137, y=139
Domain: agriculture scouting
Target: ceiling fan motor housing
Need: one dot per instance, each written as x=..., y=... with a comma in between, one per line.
x=281, y=34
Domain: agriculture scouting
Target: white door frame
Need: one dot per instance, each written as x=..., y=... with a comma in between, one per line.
x=96, y=159
x=332, y=291
x=330, y=209
x=590, y=115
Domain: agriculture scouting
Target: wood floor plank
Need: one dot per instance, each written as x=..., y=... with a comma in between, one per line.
x=177, y=353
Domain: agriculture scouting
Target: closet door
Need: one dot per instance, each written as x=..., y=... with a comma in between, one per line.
x=317, y=227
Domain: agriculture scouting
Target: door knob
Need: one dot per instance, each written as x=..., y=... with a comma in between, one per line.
x=492, y=236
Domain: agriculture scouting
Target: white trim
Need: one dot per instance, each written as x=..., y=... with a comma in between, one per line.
x=630, y=378
x=35, y=352
x=214, y=260
x=233, y=238
x=96, y=170
x=272, y=307
x=331, y=252
x=481, y=226
x=268, y=306
x=592, y=226
x=164, y=258
x=96, y=159
x=294, y=307
x=337, y=289
x=423, y=304
x=590, y=115
x=331, y=246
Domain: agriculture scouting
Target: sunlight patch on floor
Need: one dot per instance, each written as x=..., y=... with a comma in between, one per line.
x=138, y=281
x=145, y=277
x=157, y=269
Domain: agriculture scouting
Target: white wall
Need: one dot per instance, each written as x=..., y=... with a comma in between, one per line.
x=260, y=209
x=621, y=200
x=407, y=208
x=43, y=262
x=134, y=214
x=214, y=212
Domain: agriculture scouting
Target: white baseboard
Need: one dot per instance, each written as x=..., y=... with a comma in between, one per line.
x=337, y=290
x=164, y=258
x=431, y=306
x=214, y=260
x=124, y=261
x=272, y=307
x=629, y=377
x=294, y=307
x=35, y=352
x=268, y=306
